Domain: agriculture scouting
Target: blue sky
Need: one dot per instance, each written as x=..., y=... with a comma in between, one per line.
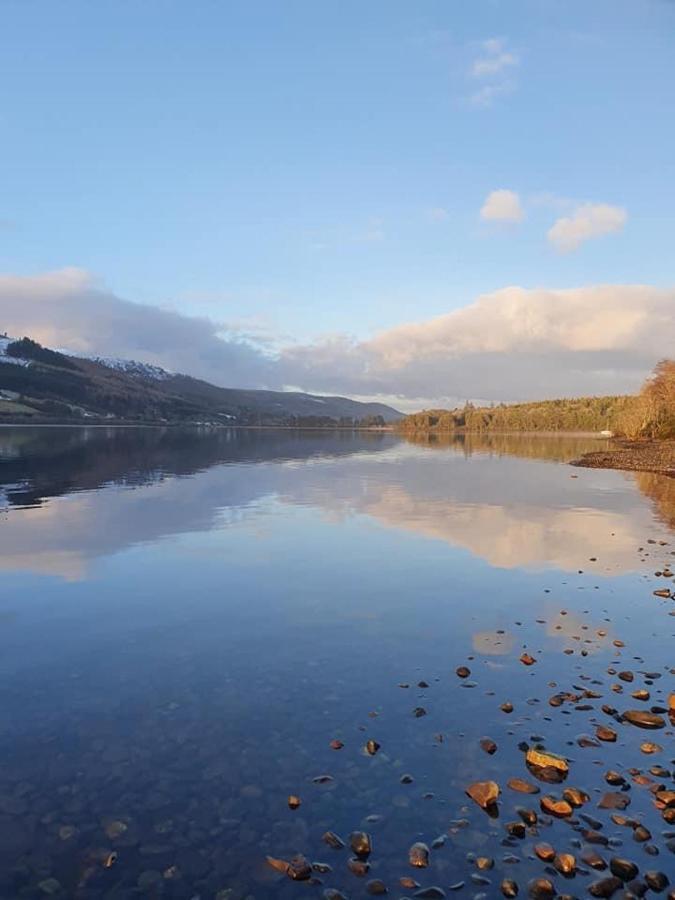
x=298, y=169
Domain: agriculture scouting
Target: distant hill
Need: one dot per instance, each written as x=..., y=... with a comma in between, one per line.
x=42, y=385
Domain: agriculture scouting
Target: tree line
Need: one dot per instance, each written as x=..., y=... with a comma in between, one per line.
x=649, y=414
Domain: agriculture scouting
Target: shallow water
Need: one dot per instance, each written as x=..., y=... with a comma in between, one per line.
x=188, y=618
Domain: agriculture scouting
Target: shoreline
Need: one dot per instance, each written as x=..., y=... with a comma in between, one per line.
x=633, y=456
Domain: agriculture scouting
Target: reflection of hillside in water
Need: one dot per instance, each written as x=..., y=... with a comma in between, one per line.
x=36, y=463
x=96, y=492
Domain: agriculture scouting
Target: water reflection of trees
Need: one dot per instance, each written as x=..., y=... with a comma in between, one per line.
x=554, y=447
x=661, y=491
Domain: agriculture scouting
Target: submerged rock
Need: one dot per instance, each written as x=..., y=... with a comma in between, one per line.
x=333, y=840
x=547, y=766
x=644, y=719
x=484, y=793
x=361, y=843
x=418, y=855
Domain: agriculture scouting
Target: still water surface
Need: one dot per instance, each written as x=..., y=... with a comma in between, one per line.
x=189, y=618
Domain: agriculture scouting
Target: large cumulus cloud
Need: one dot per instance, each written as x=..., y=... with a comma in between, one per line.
x=512, y=344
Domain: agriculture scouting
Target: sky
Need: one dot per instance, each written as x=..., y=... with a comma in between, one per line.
x=423, y=202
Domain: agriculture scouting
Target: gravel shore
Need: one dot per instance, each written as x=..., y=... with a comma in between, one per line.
x=636, y=456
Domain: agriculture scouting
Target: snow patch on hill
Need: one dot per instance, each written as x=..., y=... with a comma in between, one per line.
x=128, y=366
x=11, y=360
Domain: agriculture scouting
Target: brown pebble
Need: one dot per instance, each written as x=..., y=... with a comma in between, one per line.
x=484, y=793
x=565, y=863
x=540, y=889
x=294, y=802
x=418, y=855
x=462, y=671
x=522, y=786
x=614, y=800
x=358, y=867
x=558, y=808
x=606, y=887
x=488, y=745
x=361, y=843
x=545, y=852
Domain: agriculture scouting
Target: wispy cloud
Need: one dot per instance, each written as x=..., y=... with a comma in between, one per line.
x=438, y=214
x=502, y=206
x=494, y=66
x=590, y=220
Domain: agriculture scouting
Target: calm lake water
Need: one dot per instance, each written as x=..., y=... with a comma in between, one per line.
x=189, y=618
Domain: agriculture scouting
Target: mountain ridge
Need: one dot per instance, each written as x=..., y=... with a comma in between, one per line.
x=42, y=385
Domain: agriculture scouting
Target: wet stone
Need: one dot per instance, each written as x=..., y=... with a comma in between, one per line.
x=333, y=840
x=614, y=800
x=509, y=888
x=545, y=852
x=375, y=887
x=565, y=863
x=623, y=868
x=541, y=889
x=358, y=867
x=547, y=767
x=522, y=786
x=575, y=797
x=594, y=860
x=488, y=746
x=643, y=719
x=641, y=834
x=361, y=843
x=605, y=887
x=605, y=733
x=656, y=881
x=484, y=793
x=462, y=672
x=558, y=808
x=418, y=855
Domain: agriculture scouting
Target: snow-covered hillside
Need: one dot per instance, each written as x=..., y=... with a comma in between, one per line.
x=11, y=360
x=133, y=367
x=128, y=366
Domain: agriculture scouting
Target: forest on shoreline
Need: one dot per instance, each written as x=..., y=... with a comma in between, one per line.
x=649, y=414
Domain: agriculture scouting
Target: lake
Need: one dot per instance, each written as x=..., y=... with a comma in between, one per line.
x=189, y=618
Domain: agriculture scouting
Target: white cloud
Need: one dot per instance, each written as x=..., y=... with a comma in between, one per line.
x=590, y=220
x=512, y=344
x=502, y=206
x=68, y=309
x=494, y=65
